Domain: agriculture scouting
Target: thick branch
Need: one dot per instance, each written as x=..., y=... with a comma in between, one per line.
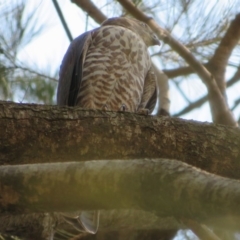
x=235, y=78
x=167, y=38
x=167, y=187
x=217, y=64
x=220, y=111
x=37, y=134
x=89, y=7
x=37, y=226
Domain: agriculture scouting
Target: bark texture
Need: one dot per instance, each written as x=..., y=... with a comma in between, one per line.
x=166, y=187
x=43, y=134
x=32, y=226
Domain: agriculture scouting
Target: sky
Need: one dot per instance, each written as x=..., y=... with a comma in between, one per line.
x=46, y=51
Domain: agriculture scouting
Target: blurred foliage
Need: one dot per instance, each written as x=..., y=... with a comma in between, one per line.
x=18, y=82
x=36, y=89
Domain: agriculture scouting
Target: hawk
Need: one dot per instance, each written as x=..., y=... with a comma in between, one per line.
x=109, y=68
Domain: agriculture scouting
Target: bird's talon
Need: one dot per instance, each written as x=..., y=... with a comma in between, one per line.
x=123, y=108
x=105, y=107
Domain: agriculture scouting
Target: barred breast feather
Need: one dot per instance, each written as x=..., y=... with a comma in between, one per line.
x=114, y=70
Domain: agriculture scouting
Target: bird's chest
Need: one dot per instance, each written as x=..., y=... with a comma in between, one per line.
x=117, y=62
x=118, y=49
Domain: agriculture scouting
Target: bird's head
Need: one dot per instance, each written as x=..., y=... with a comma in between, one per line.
x=141, y=28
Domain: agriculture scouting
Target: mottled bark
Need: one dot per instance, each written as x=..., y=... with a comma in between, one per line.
x=42, y=134
x=167, y=187
x=31, y=226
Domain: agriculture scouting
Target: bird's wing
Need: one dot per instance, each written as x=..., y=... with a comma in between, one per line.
x=71, y=70
x=149, y=97
x=85, y=221
x=89, y=220
x=68, y=88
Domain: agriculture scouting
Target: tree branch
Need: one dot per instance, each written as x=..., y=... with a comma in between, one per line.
x=176, y=189
x=36, y=226
x=167, y=38
x=235, y=78
x=39, y=133
x=59, y=12
x=181, y=71
x=89, y=7
x=66, y=134
x=220, y=111
x=218, y=62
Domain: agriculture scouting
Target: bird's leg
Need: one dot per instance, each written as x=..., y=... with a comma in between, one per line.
x=123, y=108
x=105, y=107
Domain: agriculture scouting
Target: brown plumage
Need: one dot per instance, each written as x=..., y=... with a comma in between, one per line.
x=108, y=68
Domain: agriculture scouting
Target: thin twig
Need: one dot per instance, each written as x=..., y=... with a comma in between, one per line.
x=59, y=12
x=235, y=78
x=220, y=111
x=16, y=66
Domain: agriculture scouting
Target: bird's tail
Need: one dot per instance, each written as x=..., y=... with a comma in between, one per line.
x=86, y=221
